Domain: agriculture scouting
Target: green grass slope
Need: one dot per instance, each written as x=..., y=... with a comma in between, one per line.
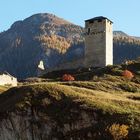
x=56, y=99
x=104, y=92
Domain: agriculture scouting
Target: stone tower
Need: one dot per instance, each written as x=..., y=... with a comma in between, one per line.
x=98, y=42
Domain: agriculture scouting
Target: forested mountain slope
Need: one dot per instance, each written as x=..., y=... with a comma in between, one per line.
x=55, y=41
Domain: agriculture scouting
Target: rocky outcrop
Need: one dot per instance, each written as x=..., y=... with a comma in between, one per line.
x=36, y=126
x=35, y=114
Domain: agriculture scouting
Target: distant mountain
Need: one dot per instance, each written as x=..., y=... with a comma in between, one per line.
x=39, y=37
x=119, y=33
x=125, y=47
x=55, y=41
x=136, y=37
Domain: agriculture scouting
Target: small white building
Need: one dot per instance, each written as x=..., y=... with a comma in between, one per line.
x=41, y=69
x=7, y=79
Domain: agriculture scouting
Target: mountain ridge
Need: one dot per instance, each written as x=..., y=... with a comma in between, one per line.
x=55, y=41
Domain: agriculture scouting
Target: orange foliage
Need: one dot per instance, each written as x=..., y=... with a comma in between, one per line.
x=118, y=131
x=55, y=42
x=68, y=77
x=127, y=74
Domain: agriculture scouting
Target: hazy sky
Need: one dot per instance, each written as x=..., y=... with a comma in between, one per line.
x=124, y=13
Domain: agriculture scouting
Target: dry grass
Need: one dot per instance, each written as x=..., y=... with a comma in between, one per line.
x=107, y=101
x=111, y=101
x=58, y=98
x=3, y=88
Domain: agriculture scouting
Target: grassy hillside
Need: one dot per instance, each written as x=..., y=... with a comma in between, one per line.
x=107, y=98
x=89, y=93
x=113, y=99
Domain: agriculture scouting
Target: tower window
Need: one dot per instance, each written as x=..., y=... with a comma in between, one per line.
x=88, y=31
x=91, y=21
x=99, y=20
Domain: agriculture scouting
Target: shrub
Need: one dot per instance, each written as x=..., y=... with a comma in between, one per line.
x=127, y=74
x=68, y=77
x=95, y=78
x=118, y=132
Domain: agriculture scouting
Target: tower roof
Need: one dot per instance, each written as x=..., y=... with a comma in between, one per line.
x=98, y=18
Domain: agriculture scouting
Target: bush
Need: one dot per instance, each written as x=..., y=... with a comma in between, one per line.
x=118, y=132
x=127, y=74
x=68, y=77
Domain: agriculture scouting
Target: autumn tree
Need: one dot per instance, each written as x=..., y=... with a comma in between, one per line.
x=127, y=74
x=118, y=132
x=68, y=77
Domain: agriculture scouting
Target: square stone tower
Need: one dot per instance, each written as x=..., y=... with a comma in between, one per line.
x=98, y=42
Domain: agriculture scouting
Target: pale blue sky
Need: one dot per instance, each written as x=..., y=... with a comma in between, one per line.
x=124, y=13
